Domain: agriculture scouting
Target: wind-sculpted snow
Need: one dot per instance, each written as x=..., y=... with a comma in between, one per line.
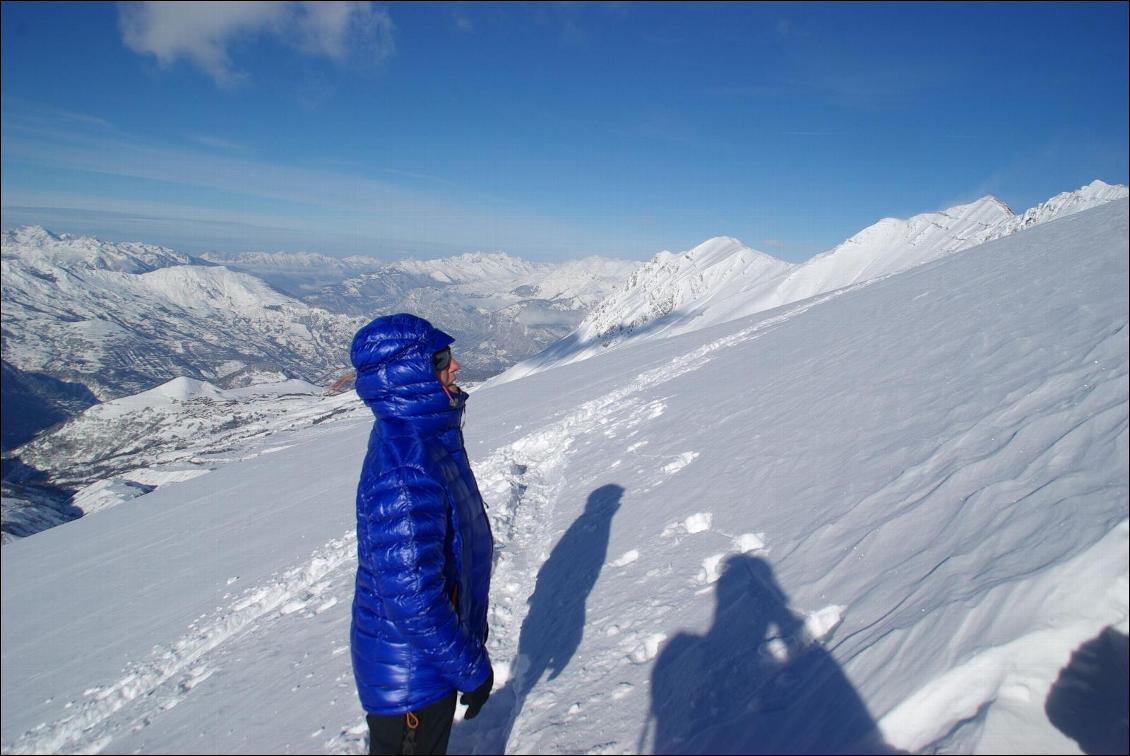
x=881, y=518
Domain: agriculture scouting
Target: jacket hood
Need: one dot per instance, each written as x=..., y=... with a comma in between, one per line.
x=393, y=359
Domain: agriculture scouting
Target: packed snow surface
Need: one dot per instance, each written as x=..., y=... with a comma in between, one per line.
x=885, y=516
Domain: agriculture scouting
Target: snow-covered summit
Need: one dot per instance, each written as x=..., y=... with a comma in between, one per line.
x=1064, y=204
x=713, y=251
x=468, y=267
x=40, y=249
x=180, y=389
x=183, y=389
x=672, y=282
x=195, y=286
x=184, y=425
x=893, y=245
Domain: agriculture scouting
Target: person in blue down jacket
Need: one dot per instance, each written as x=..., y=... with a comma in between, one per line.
x=424, y=546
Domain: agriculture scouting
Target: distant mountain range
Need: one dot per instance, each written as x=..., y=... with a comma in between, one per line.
x=121, y=318
x=499, y=308
x=721, y=279
x=213, y=355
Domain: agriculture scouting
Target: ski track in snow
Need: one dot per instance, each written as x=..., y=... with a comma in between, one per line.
x=522, y=480
x=148, y=688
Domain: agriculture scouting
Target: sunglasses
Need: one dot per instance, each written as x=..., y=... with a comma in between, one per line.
x=441, y=359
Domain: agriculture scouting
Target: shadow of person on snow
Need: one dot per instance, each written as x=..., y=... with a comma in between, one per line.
x=1088, y=701
x=755, y=683
x=555, y=623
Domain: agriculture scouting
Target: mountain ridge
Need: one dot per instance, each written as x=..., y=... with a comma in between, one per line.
x=677, y=292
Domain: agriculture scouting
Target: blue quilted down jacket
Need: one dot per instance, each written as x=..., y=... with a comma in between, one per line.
x=424, y=545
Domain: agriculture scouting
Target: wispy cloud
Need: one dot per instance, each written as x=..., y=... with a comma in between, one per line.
x=577, y=24
x=879, y=85
x=842, y=83
x=815, y=133
x=216, y=142
x=86, y=172
x=204, y=32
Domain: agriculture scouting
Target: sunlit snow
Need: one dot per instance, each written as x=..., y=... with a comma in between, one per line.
x=885, y=517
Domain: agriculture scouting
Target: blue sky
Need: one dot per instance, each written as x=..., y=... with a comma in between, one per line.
x=548, y=131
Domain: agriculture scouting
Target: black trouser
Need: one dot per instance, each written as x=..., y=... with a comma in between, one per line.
x=394, y=735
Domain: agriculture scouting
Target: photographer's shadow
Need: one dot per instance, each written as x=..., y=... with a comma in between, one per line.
x=755, y=683
x=1089, y=700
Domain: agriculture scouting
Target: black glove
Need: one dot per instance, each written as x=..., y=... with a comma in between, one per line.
x=477, y=697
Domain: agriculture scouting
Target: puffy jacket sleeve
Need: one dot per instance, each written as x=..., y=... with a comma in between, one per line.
x=406, y=544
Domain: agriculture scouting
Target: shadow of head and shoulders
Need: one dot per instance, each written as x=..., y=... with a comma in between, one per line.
x=756, y=682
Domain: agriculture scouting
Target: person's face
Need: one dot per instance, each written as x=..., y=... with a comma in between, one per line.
x=447, y=375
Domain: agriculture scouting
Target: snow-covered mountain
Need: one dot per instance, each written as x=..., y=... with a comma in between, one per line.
x=34, y=401
x=122, y=318
x=479, y=274
x=39, y=250
x=125, y=319
x=893, y=516
x=295, y=273
x=501, y=309
x=120, y=449
x=722, y=279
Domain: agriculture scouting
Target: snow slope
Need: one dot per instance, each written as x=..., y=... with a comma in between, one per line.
x=885, y=516
x=722, y=279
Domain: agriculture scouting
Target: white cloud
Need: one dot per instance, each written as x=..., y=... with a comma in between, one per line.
x=203, y=32
x=343, y=30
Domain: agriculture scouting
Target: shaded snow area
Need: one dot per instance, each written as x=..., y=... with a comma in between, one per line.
x=890, y=517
